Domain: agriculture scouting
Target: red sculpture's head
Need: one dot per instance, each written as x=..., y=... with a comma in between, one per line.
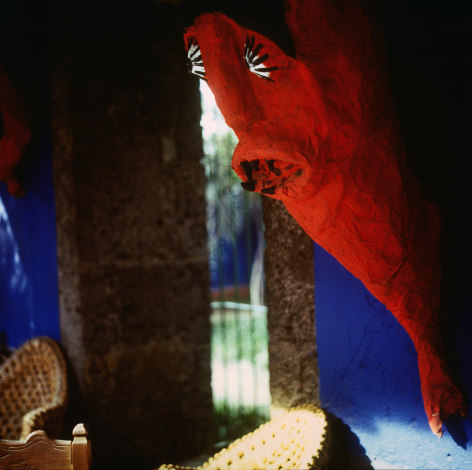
x=267, y=98
x=285, y=111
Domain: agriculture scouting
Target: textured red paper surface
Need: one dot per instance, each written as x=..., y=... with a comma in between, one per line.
x=319, y=132
x=14, y=133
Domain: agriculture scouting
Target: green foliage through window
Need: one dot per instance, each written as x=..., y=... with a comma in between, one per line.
x=240, y=378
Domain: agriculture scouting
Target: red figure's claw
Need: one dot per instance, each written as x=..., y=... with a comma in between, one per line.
x=441, y=397
x=435, y=423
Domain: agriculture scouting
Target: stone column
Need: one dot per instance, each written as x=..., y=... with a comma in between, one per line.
x=293, y=364
x=133, y=274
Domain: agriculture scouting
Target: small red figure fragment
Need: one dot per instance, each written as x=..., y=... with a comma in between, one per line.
x=14, y=134
x=320, y=133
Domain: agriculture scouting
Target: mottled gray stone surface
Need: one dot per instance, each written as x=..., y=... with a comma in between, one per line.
x=133, y=274
x=293, y=364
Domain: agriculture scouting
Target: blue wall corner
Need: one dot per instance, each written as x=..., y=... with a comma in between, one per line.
x=369, y=376
x=28, y=258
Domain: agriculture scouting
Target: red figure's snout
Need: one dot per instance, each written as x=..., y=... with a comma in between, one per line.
x=273, y=172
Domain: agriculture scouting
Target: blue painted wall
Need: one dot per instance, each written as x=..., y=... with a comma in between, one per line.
x=28, y=263
x=369, y=376
x=231, y=263
x=28, y=260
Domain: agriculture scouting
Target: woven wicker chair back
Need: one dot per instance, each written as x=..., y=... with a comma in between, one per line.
x=33, y=390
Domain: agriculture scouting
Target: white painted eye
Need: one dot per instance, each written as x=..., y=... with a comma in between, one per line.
x=255, y=61
x=194, y=60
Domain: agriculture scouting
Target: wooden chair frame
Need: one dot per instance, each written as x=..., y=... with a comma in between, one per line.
x=39, y=452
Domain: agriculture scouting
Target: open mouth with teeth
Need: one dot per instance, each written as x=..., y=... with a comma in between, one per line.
x=271, y=177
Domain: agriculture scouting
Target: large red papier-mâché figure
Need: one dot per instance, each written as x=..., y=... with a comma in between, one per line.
x=320, y=133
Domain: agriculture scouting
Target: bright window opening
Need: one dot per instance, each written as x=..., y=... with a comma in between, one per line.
x=240, y=378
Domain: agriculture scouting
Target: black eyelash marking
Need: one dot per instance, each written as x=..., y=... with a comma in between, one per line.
x=256, y=62
x=194, y=60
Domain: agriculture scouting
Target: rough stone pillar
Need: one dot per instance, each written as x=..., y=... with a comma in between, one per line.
x=133, y=274
x=293, y=364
